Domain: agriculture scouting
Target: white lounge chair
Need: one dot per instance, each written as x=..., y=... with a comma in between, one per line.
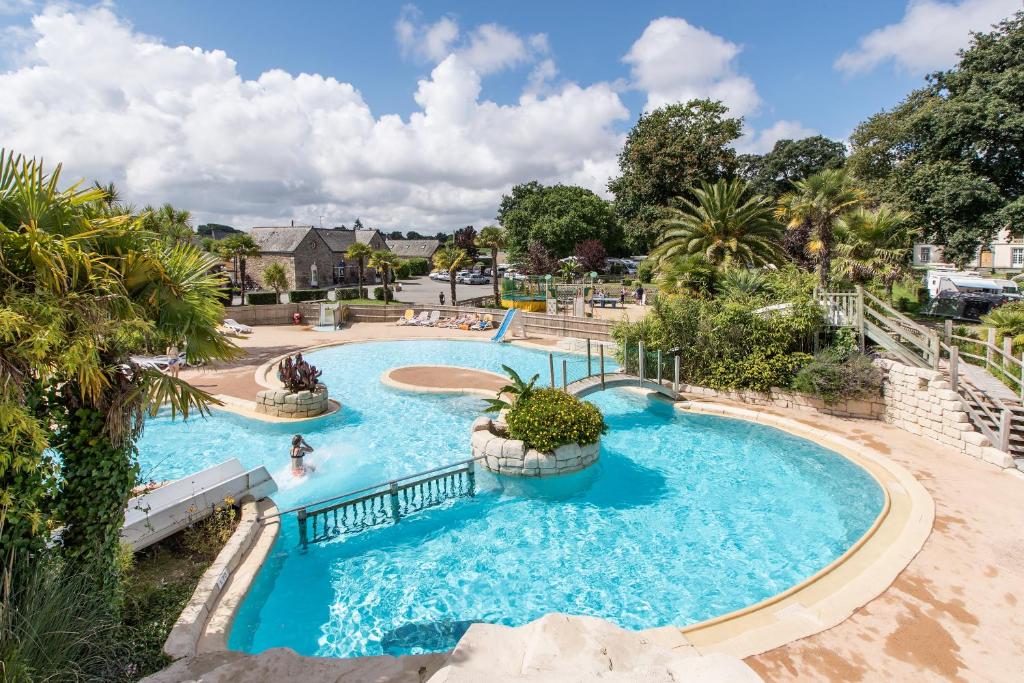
x=237, y=327
x=420, y=319
x=432, y=320
x=156, y=362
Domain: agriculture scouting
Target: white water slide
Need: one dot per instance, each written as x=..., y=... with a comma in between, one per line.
x=157, y=514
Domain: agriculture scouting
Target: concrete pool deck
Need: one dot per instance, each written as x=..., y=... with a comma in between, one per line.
x=951, y=614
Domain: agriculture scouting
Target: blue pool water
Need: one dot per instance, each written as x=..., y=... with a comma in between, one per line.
x=684, y=517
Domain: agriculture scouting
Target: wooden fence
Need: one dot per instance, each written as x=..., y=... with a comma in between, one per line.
x=567, y=326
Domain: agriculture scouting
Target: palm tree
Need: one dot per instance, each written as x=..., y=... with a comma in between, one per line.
x=687, y=274
x=275, y=277
x=173, y=225
x=360, y=251
x=238, y=248
x=450, y=258
x=817, y=203
x=492, y=238
x=724, y=224
x=384, y=261
x=874, y=245
x=82, y=291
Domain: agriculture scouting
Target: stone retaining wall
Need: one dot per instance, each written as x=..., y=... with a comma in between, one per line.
x=282, y=403
x=873, y=408
x=510, y=456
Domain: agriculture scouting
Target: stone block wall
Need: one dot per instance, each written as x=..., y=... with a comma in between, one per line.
x=503, y=455
x=922, y=402
x=281, y=403
x=872, y=408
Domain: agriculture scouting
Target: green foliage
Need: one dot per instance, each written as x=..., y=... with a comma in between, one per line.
x=349, y=293
x=275, y=277
x=384, y=261
x=98, y=476
x=1008, y=320
x=361, y=252
x=550, y=418
x=418, y=266
x=378, y=293
x=645, y=271
x=874, y=245
x=403, y=271
x=172, y=225
x=300, y=295
x=772, y=174
x=669, y=151
x=261, y=298
x=741, y=282
x=691, y=275
x=950, y=152
x=725, y=343
x=516, y=390
x=206, y=537
x=723, y=224
x=558, y=217
x=835, y=375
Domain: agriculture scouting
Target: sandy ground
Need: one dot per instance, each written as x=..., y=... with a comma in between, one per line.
x=436, y=377
x=951, y=615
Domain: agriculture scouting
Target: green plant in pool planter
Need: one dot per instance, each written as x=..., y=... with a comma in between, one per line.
x=550, y=418
x=517, y=390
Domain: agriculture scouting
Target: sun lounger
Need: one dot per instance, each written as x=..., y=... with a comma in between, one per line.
x=237, y=327
x=435, y=316
x=156, y=362
x=415, y=321
x=405, y=319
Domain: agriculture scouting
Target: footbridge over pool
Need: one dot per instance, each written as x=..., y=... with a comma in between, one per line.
x=590, y=385
x=641, y=369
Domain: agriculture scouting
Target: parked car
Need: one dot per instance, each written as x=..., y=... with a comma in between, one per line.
x=473, y=279
x=440, y=276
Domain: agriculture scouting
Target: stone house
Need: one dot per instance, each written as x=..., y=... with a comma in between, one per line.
x=409, y=249
x=312, y=257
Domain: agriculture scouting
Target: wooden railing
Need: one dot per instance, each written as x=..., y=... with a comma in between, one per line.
x=385, y=503
x=998, y=360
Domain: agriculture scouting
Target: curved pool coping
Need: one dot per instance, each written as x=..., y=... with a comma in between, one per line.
x=388, y=378
x=831, y=595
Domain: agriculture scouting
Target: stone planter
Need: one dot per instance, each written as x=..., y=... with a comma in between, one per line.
x=503, y=455
x=283, y=403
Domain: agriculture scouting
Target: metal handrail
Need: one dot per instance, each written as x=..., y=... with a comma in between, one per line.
x=385, y=485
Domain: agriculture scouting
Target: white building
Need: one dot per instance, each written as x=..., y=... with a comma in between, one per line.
x=1004, y=253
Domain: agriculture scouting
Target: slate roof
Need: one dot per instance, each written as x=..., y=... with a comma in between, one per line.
x=280, y=240
x=414, y=248
x=337, y=240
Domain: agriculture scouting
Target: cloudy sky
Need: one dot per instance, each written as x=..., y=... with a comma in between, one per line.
x=421, y=116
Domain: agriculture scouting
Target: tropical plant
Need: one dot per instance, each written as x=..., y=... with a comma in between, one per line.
x=275, y=277
x=384, y=261
x=361, y=252
x=741, y=282
x=81, y=291
x=171, y=224
x=724, y=224
x=687, y=275
x=1008, y=320
x=834, y=375
x=516, y=390
x=874, y=245
x=550, y=418
x=237, y=248
x=450, y=258
x=817, y=203
x=567, y=269
x=492, y=238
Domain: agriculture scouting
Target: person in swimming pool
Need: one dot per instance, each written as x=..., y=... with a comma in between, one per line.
x=299, y=450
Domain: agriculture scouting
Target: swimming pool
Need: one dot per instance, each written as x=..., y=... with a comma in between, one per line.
x=685, y=517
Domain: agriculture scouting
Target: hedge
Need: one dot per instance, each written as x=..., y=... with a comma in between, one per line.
x=347, y=293
x=418, y=266
x=261, y=298
x=378, y=294
x=300, y=295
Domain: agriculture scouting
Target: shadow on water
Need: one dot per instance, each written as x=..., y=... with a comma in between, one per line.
x=429, y=636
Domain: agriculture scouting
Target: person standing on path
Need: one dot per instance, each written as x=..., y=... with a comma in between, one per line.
x=440, y=297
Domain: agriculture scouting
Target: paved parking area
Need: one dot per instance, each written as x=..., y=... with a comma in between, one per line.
x=423, y=290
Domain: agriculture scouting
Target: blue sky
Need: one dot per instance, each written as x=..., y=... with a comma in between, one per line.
x=419, y=116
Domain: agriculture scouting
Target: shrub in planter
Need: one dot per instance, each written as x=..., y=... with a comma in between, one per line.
x=349, y=293
x=378, y=294
x=549, y=418
x=300, y=295
x=833, y=376
x=261, y=298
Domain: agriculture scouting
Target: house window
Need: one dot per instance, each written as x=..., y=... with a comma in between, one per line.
x=1017, y=257
x=926, y=254
x=314, y=281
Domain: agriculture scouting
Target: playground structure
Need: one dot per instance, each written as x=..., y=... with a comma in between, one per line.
x=541, y=294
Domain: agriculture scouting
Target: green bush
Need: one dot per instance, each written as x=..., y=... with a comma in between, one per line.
x=645, y=273
x=378, y=294
x=403, y=271
x=349, y=293
x=833, y=376
x=300, y=295
x=725, y=343
x=261, y=298
x=550, y=418
x=419, y=266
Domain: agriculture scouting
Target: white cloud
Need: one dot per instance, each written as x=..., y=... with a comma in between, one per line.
x=488, y=48
x=760, y=142
x=15, y=6
x=180, y=124
x=927, y=37
x=674, y=61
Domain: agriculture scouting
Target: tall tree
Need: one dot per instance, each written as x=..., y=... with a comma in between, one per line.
x=816, y=204
x=492, y=238
x=395, y=235
x=465, y=239
x=772, y=174
x=725, y=224
x=238, y=248
x=275, y=277
x=81, y=291
x=669, y=151
x=951, y=152
x=539, y=260
x=360, y=251
x=557, y=217
x=451, y=258
x=413, y=235
x=874, y=245
x=591, y=255
x=384, y=261
x=358, y=225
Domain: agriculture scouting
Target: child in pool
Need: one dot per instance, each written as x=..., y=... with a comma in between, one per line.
x=299, y=450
